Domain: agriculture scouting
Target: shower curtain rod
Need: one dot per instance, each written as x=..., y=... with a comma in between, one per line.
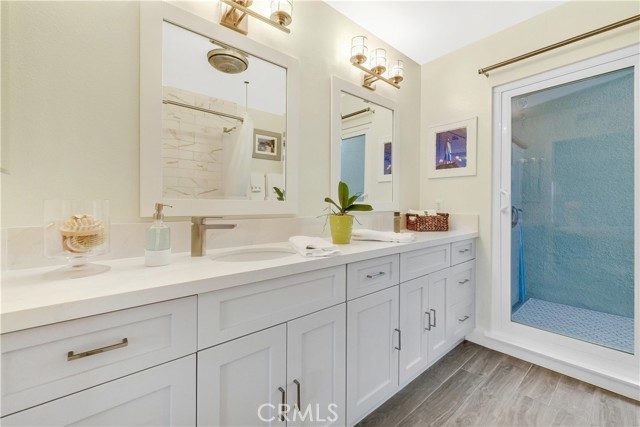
x=204, y=110
x=600, y=30
x=355, y=113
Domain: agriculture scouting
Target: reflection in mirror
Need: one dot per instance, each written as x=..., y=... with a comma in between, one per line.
x=224, y=117
x=218, y=118
x=364, y=144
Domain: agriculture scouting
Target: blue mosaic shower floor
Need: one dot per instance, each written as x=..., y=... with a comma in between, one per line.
x=595, y=327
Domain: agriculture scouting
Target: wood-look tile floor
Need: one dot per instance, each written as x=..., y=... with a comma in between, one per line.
x=475, y=386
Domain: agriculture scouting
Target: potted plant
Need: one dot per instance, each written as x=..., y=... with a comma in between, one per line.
x=340, y=221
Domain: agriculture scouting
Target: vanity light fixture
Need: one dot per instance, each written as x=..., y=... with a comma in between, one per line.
x=234, y=15
x=377, y=64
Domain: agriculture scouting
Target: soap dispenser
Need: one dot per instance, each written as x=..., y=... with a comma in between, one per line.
x=158, y=242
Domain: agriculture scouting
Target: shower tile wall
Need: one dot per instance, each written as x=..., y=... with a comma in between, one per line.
x=577, y=193
x=192, y=145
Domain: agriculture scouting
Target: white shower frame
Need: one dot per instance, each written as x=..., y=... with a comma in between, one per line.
x=607, y=368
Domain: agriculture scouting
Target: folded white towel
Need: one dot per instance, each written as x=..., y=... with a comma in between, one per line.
x=416, y=212
x=382, y=236
x=313, y=246
x=431, y=212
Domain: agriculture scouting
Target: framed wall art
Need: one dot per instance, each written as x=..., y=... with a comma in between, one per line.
x=451, y=149
x=385, y=162
x=267, y=145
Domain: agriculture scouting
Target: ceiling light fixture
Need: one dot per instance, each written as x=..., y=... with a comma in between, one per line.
x=233, y=15
x=377, y=64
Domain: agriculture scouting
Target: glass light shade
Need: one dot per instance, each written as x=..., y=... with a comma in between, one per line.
x=281, y=11
x=396, y=71
x=359, y=50
x=379, y=61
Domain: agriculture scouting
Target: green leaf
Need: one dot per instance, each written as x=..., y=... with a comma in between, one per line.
x=328, y=200
x=361, y=207
x=352, y=200
x=343, y=195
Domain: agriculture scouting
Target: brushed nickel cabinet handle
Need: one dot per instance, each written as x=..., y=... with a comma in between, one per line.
x=283, y=405
x=463, y=319
x=427, y=322
x=434, y=317
x=71, y=356
x=399, y=347
x=462, y=282
x=298, y=404
x=378, y=274
x=462, y=251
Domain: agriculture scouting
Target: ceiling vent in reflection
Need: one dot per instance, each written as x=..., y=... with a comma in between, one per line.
x=228, y=61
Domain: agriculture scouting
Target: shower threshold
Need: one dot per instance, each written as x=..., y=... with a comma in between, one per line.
x=603, y=329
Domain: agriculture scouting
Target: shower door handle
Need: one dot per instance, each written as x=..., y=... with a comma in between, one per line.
x=507, y=200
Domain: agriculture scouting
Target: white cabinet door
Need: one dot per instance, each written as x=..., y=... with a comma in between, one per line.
x=373, y=340
x=316, y=359
x=160, y=396
x=415, y=327
x=438, y=343
x=242, y=382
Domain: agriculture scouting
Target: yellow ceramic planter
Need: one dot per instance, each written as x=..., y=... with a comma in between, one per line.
x=341, y=226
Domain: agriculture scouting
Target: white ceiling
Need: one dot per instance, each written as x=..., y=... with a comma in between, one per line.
x=425, y=30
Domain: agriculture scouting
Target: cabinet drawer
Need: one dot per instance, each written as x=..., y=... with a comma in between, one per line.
x=462, y=284
x=461, y=319
x=423, y=261
x=48, y=362
x=233, y=312
x=161, y=396
x=463, y=251
x=365, y=277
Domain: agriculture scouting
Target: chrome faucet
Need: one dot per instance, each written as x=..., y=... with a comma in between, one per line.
x=199, y=233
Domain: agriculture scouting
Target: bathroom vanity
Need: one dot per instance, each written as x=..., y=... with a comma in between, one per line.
x=288, y=341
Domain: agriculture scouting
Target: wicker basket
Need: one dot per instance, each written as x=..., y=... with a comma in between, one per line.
x=440, y=222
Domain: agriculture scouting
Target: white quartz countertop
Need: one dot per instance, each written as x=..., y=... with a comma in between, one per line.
x=30, y=299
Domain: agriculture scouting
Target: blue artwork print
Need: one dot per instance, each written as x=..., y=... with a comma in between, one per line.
x=387, y=158
x=451, y=149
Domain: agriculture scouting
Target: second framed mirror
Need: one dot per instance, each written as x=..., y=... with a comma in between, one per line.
x=364, y=145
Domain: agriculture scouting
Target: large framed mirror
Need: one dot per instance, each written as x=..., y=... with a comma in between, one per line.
x=218, y=119
x=365, y=145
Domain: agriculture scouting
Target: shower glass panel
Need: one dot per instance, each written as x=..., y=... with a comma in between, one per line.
x=572, y=191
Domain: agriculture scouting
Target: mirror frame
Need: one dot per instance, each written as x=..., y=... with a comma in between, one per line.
x=337, y=87
x=152, y=15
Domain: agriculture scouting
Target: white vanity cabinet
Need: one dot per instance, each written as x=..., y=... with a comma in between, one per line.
x=461, y=300
x=422, y=322
x=396, y=331
x=373, y=346
x=289, y=374
x=298, y=361
x=161, y=396
x=322, y=347
x=49, y=370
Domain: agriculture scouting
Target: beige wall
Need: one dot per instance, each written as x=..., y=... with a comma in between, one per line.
x=70, y=73
x=452, y=90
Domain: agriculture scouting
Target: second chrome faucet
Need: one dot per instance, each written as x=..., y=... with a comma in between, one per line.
x=199, y=229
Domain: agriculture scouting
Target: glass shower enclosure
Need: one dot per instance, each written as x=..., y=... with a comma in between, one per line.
x=572, y=209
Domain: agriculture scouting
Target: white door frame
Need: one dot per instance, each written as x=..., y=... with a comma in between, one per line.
x=609, y=368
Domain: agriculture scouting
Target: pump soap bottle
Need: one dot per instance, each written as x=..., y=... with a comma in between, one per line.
x=158, y=242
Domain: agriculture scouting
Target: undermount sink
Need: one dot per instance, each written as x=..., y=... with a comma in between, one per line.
x=253, y=254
